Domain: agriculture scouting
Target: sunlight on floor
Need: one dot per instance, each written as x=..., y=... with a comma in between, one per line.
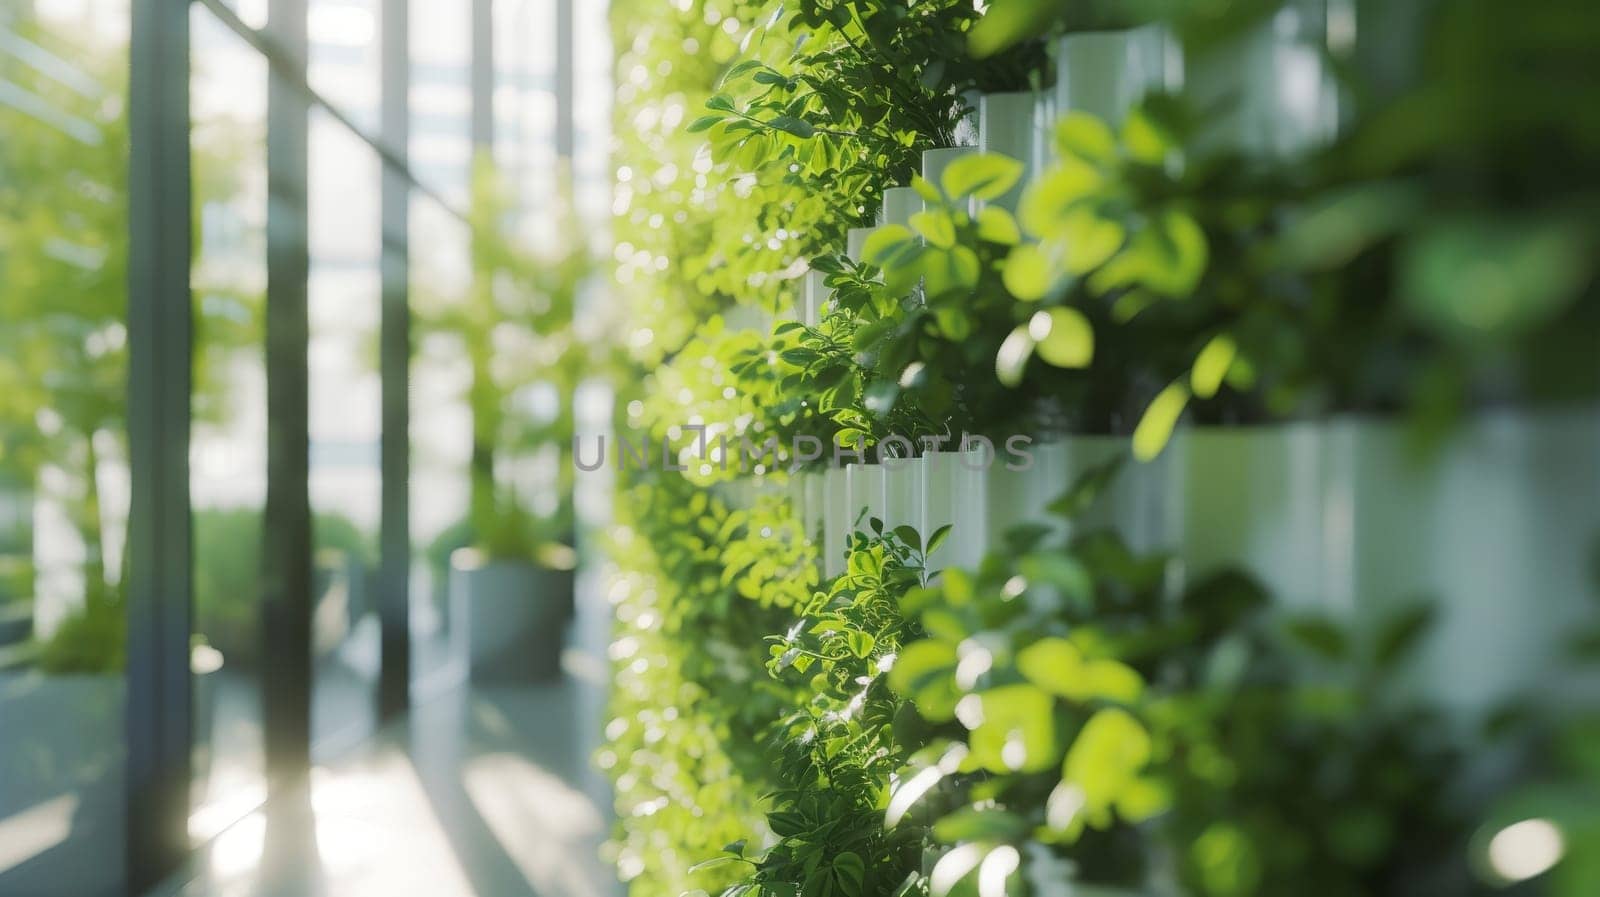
x=546, y=826
x=35, y=830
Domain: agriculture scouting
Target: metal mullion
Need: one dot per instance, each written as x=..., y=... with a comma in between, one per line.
x=159, y=585
x=394, y=535
x=286, y=550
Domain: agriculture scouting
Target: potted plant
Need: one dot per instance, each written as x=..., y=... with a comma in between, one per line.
x=511, y=587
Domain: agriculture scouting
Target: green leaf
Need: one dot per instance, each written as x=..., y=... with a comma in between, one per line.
x=983, y=175
x=1321, y=636
x=1144, y=138
x=884, y=242
x=1159, y=419
x=1006, y=22
x=1083, y=136
x=860, y=643
x=1211, y=365
x=1104, y=760
x=1017, y=732
x=926, y=189
x=974, y=824
x=703, y=123
x=1051, y=664
x=1047, y=202
x=1479, y=278
x=1011, y=361
x=996, y=225
x=791, y=125
x=1063, y=336
x=850, y=872
x=938, y=537
x=919, y=662
x=1061, y=572
x=1400, y=635
x=1027, y=273
x=1089, y=239
x=720, y=102
x=936, y=227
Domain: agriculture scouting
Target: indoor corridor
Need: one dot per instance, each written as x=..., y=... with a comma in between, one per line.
x=478, y=791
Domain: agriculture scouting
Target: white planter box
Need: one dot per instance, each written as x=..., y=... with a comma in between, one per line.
x=1498, y=530
x=1007, y=126
x=866, y=494
x=899, y=204
x=904, y=493
x=857, y=238
x=1271, y=89
x=814, y=298
x=1104, y=73
x=514, y=616
x=1017, y=497
x=958, y=495
x=836, y=520
x=1253, y=497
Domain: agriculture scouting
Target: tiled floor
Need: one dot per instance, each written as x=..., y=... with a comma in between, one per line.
x=479, y=793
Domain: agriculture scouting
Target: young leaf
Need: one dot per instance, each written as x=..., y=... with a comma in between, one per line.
x=1159, y=419
x=983, y=175
x=996, y=225
x=936, y=227
x=1211, y=365
x=884, y=242
x=791, y=125
x=1063, y=336
x=704, y=122
x=1085, y=137
x=1027, y=273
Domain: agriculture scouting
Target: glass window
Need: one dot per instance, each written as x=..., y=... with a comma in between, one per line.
x=63, y=446
x=229, y=439
x=346, y=422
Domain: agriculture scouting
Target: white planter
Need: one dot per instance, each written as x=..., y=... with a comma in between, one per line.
x=836, y=520
x=1252, y=497
x=899, y=204
x=1104, y=73
x=1006, y=125
x=1138, y=504
x=904, y=493
x=864, y=483
x=967, y=474
x=810, y=506
x=514, y=616
x=1270, y=88
x=857, y=239
x=814, y=297
x=1498, y=530
x=1016, y=497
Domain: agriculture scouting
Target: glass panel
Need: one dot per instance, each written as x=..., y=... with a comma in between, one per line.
x=343, y=62
x=63, y=444
x=228, y=453
x=525, y=114
x=441, y=433
x=346, y=420
x=441, y=97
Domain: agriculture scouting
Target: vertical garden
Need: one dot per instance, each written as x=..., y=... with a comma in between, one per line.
x=1128, y=447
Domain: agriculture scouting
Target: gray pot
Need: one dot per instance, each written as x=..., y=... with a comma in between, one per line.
x=511, y=615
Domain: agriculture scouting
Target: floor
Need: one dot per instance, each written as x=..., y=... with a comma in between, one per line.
x=480, y=792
